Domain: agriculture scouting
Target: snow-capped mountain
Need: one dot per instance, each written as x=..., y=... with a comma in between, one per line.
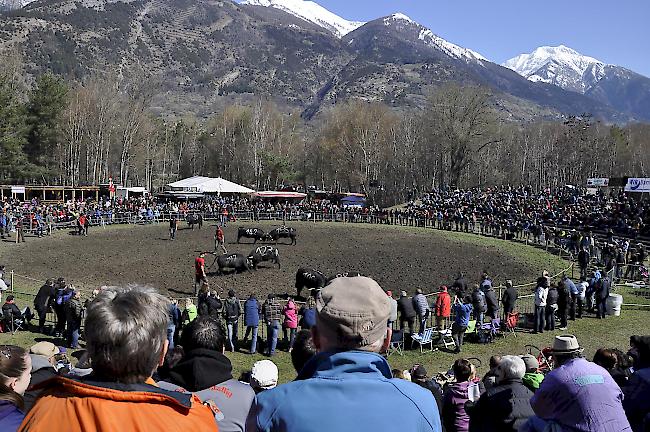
x=561, y=66
x=427, y=37
x=312, y=12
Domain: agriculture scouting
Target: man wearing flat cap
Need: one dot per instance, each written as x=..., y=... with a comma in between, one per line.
x=348, y=385
x=577, y=395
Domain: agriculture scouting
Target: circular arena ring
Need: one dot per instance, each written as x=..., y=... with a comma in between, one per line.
x=399, y=258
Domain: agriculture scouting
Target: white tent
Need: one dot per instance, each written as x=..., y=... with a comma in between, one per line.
x=207, y=185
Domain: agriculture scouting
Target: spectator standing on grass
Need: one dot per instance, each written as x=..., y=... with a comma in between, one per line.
x=491, y=301
x=541, y=292
x=637, y=390
x=173, y=323
x=454, y=415
x=442, y=308
x=251, y=321
x=272, y=312
x=393, y=310
x=189, y=313
x=577, y=395
x=479, y=305
x=462, y=311
x=15, y=376
x=505, y=407
x=509, y=299
x=43, y=301
x=406, y=312
x=73, y=315
x=126, y=336
x=563, y=303
x=206, y=372
x=421, y=309
x=231, y=311
x=290, y=324
x=348, y=375
x=551, y=307
x=602, y=293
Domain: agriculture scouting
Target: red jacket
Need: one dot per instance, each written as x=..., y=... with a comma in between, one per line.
x=443, y=305
x=75, y=406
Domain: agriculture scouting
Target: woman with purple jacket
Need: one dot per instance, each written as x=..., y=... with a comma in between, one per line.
x=454, y=416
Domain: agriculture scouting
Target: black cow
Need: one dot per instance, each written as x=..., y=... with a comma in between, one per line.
x=194, y=219
x=282, y=232
x=264, y=253
x=254, y=233
x=235, y=261
x=310, y=278
x=345, y=274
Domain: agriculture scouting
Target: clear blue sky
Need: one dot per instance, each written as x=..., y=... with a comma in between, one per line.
x=616, y=32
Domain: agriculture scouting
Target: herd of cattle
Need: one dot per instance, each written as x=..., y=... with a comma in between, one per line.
x=309, y=278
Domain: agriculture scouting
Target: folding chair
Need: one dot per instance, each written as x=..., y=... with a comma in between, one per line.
x=425, y=338
x=445, y=339
x=396, y=343
x=10, y=323
x=511, y=323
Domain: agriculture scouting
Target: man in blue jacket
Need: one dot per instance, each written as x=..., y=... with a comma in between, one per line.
x=348, y=385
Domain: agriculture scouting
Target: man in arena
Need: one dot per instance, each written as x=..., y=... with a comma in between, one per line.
x=173, y=227
x=219, y=240
x=199, y=272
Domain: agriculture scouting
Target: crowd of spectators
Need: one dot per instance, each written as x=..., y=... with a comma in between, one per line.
x=131, y=378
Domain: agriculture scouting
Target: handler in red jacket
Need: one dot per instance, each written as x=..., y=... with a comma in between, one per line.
x=443, y=308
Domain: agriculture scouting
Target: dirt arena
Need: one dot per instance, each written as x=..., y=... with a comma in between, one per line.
x=398, y=258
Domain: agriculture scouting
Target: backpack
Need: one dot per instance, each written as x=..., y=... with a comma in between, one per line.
x=232, y=310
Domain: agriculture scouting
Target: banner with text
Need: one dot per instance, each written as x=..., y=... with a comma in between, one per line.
x=638, y=185
x=597, y=182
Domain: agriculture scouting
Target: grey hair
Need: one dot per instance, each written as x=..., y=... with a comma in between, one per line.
x=511, y=367
x=126, y=328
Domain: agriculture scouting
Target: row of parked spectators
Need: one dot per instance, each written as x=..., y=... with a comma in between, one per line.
x=131, y=380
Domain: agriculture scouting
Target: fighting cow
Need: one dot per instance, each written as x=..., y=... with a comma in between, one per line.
x=345, y=274
x=254, y=233
x=282, y=232
x=310, y=278
x=235, y=261
x=264, y=253
x=194, y=219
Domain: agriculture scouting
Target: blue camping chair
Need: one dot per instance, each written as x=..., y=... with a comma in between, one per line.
x=425, y=338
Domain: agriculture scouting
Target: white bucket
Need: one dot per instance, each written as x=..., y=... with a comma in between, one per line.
x=613, y=305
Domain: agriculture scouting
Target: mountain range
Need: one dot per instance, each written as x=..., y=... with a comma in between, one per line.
x=207, y=53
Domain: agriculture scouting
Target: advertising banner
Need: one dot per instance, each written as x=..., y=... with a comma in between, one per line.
x=597, y=182
x=638, y=185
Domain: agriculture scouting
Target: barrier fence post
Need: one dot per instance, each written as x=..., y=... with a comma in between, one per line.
x=12, y=281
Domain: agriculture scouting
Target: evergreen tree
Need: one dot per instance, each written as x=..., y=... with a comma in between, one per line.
x=14, y=165
x=46, y=103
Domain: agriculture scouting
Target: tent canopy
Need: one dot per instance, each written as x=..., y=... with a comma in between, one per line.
x=207, y=185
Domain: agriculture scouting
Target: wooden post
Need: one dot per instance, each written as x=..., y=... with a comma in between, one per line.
x=12, y=281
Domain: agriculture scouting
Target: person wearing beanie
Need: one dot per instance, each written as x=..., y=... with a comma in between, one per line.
x=532, y=378
x=348, y=383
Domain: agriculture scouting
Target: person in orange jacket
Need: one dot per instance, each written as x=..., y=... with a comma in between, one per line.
x=443, y=308
x=126, y=336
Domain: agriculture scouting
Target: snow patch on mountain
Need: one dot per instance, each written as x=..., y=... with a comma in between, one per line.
x=427, y=36
x=312, y=12
x=397, y=16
